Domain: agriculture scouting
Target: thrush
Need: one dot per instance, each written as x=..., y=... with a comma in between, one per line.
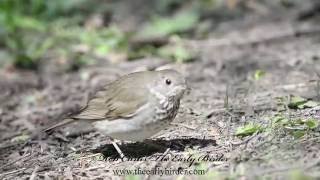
x=135, y=106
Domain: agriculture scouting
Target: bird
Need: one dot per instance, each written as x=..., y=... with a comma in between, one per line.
x=134, y=107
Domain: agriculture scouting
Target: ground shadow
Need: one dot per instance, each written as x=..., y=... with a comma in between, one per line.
x=143, y=149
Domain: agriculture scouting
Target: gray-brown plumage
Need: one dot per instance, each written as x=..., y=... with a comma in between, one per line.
x=135, y=106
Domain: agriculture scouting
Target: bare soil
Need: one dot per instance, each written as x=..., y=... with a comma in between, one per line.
x=224, y=96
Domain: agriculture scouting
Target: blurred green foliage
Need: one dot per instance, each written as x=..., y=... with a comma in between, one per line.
x=164, y=26
x=29, y=28
x=176, y=51
x=23, y=28
x=32, y=31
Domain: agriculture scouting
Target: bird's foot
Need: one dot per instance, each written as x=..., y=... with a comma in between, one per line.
x=118, y=149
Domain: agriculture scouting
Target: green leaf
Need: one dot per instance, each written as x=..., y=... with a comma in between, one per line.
x=298, y=134
x=312, y=123
x=280, y=120
x=248, y=129
x=296, y=102
x=258, y=74
x=308, y=104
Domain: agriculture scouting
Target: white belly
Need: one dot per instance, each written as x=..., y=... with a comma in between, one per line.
x=129, y=130
x=140, y=127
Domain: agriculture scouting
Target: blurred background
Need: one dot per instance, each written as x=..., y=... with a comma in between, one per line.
x=253, y=67
x=78, y=33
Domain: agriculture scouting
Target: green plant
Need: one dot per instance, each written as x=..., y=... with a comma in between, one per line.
x=23, y=28
x=258, y=74
x=296, y=127
x=248, y=129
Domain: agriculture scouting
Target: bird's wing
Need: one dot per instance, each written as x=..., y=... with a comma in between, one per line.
x=113, y=103
x=120, y=99
x=109, y=104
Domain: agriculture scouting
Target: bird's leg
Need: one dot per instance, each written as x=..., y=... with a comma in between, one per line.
x=117, y=148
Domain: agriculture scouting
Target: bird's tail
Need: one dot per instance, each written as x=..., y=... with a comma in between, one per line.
x=60, y=124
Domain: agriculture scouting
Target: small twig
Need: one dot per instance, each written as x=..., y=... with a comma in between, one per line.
x=94, y=168
x=246, y=140
x=73, y=149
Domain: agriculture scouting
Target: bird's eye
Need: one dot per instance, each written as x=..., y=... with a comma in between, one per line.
x=168, y=81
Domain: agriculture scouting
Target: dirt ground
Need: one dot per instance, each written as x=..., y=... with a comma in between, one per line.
x=224, y=96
